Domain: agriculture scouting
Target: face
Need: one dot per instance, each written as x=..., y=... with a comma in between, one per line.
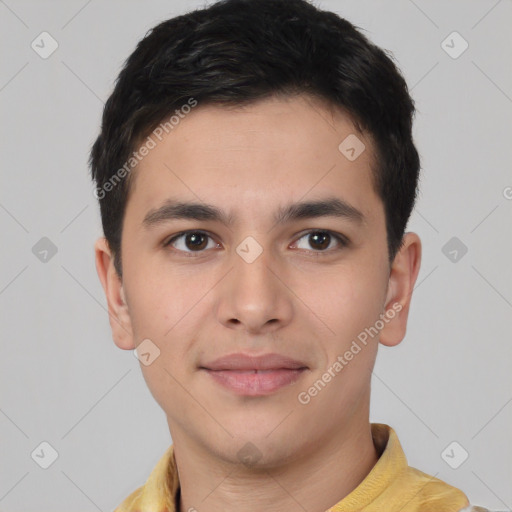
x=284, y=255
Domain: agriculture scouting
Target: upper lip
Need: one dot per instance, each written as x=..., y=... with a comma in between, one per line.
x=240, y=361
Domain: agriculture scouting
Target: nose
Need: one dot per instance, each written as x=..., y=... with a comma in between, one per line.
x=254, y=297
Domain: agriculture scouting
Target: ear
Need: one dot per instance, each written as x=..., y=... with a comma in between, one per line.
x=118, y=313
x=403, y=273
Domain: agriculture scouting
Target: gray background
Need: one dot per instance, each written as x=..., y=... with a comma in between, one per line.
x=62, y=379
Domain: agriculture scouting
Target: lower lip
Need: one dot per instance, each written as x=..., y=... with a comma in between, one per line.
x=254, y=384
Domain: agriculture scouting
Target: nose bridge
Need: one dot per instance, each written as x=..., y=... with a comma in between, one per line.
x=252, y=267
x=252, y=296
x=253, y=280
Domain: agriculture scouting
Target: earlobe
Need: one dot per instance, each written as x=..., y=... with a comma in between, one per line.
x=403, y=274
x=119, y=317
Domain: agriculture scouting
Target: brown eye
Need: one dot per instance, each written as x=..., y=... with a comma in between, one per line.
x=196, y=241
x=322, y=241
x=319, y=240
x=190, y=241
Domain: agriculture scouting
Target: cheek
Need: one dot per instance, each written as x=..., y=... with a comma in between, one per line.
x=350, y=307
x=160, y=311
x=167, y=386
x=159, y=301
x=348, y=299
x=163, y=315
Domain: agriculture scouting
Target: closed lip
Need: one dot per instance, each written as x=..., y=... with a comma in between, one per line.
x=248, y=362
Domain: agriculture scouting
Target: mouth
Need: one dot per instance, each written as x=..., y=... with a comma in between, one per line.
x=254, y=375
x=255, y=382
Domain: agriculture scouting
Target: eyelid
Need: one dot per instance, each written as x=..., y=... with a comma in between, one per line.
x=342, y=240
x=176, y=236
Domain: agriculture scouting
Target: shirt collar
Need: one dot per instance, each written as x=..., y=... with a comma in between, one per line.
x=391, y=463
x=161, y=490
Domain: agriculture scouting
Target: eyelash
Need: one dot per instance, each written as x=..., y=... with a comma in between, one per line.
x=341, y=239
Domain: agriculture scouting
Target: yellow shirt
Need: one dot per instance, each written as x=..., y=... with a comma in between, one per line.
x=391, y=486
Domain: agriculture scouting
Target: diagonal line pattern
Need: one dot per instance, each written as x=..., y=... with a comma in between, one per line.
x=501, y=409
x=74, y=218
x=488, y=215
x=14, y=485
x=426, y=277
x=14, y=423
x=94, y=298
x=199, y=300
x=492, y=81
x=97, y=402
x=198, y=402
x=405, y=404
x=424, y=14
x=14, y=76
x=488, y=282
x=427, y=221
x=82, y=81
x=424, y=76
x=13, y=13
x=88, y=497
x=313, y=107
x=280, y=423
x=13, y=279
x=286, y=491
x=217, y=486
x=300, y=299
x=486, y=14
x=75, y=15
x=506, y=504
x=14, y=218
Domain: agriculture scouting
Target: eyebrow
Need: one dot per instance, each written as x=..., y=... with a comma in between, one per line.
x=175, y=210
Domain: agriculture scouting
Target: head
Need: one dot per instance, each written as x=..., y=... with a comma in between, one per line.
x=291, y=135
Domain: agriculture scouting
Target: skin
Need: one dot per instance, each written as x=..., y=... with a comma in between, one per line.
x=295, y=299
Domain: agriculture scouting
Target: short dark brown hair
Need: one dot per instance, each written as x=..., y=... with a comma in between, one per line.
x=235, y=52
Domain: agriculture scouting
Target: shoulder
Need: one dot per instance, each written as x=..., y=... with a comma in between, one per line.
x=430, y=494
x=443, y=494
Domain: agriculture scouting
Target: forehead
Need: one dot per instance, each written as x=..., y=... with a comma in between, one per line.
x=272, y=151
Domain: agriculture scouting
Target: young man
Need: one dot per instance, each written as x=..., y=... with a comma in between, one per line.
x=256, y=172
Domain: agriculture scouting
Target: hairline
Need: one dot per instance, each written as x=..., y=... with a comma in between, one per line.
x=286, y=95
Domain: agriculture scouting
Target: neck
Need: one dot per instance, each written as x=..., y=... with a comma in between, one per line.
x=316, y=480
